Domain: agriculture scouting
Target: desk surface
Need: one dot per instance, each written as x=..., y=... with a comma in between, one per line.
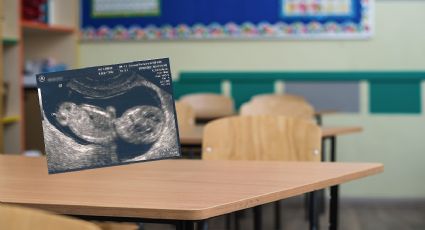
x=169, y=189
x=191, y=136
x=194, y=136
x=216, y=114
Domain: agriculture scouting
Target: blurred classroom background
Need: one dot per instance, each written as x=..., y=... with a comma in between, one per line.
x=369, y=70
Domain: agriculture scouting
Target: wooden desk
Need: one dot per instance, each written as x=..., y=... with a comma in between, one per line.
x=340, y=130
x=188, y=190
x=212, y=115
x=194, y=136
x=318, y=114
x=202, y=119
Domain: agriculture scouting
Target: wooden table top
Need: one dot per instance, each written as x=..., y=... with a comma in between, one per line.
x=168, y=189
x=214, y=115
x=191, y=136
x=211, y=115
x=194, y=136
x=340, y=130
x=325, y=112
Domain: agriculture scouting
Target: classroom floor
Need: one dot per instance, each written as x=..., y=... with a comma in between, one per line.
x=363, y=215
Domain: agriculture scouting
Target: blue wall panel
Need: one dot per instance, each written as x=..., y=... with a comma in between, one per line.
x=339, y=96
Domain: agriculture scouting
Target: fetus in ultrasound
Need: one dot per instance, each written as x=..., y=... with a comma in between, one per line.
x=138, y=125
x=88, y=122
x=107, y=115
x=141, y=124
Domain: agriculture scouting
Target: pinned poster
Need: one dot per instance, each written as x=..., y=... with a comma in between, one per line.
x=108, y=115
x=125, y=8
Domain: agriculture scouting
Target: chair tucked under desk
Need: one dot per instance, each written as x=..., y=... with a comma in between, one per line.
x=264, y=138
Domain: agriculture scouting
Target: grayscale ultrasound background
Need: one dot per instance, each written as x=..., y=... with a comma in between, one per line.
x=93, y=119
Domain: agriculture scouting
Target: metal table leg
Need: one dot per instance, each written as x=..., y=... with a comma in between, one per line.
x=258, y=223
x=202, y=225
x=319, y=120
x=333, y=209
x=333, y=148
x=313, y=217
x=228, y=221
x=334, y=201
x=277, y=222
x=238, y=215
x=186, y=225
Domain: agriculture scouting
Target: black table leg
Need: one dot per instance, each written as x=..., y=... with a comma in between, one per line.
x=238, y=218
x=333, y=209
x=202, y=225
x=321, y=193
x=191, y=151
x=313, y=217
x=319, y=120
x=333, y=148
x=186, y=225
x=140, y=226
x=323, y=153
x=334, y=202
x=180, y=225
x=258, y=223
x=228, y=221
x=278, y=224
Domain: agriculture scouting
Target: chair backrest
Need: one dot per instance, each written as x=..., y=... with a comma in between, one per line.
x=185, y=115
x=19, y=218
x=261, y=138
x=290, y=108
x=277, y=97
x=208, y=105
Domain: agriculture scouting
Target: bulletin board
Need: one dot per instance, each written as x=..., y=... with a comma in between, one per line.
x=223, y=19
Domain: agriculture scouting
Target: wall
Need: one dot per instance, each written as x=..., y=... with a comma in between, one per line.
x=398, y=44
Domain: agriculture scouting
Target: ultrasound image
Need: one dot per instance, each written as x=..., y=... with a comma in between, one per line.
x=108, y=115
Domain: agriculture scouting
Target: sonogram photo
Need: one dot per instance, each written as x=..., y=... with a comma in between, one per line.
x=108, y=115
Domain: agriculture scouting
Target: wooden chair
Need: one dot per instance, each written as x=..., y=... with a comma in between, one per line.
x=261, y=138
x=186, y=122
x=208, y=106
x=290, y=108
x=19, y=218
x=185, y=115
x=267, y=137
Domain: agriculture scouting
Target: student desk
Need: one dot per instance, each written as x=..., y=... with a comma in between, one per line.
x=205, y=118
x=193, y=137
x=178, y=191
x=320, y=113
x=330, y=133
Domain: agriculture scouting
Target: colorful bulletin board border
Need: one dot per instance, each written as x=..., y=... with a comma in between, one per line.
x=294, y=19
